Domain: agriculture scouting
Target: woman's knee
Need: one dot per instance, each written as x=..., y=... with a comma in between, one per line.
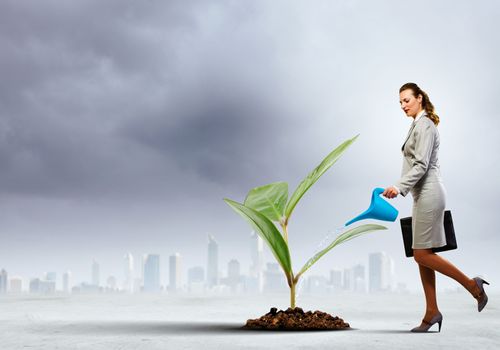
x=418, y=258
x=420, y=255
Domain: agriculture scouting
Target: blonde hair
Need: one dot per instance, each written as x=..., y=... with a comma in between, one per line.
x=426, y=102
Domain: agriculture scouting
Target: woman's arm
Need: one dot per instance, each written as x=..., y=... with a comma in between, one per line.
x=424, y=135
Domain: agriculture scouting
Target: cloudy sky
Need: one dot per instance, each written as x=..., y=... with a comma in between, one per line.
x=123, y=125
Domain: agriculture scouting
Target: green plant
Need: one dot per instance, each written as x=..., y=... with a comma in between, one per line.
x=267, y=204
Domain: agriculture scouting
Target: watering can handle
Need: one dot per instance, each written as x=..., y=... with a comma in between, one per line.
x=378, y=191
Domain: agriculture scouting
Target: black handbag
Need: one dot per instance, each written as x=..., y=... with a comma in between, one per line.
x=449, y=230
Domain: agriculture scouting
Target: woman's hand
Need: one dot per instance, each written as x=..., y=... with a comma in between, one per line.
x=390, y=192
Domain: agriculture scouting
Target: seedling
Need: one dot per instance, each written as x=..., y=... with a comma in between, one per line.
x=268, y=205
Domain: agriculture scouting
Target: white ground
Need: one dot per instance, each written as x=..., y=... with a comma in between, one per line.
x=166, y=322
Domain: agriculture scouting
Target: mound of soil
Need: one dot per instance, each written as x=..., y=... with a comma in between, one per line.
x=296, y=320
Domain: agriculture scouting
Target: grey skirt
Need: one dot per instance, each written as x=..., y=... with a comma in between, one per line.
x=429, y=201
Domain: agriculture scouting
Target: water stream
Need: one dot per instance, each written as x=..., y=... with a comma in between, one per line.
x=327, y=239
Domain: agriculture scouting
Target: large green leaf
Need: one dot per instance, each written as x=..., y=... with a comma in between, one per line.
x=343, y=237
x=315, y=175
x=269, y=233
x=269, y=200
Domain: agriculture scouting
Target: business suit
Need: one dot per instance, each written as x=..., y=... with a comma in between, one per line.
x=421, y=176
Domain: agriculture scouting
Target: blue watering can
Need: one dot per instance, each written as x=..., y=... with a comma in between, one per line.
x=379, y=209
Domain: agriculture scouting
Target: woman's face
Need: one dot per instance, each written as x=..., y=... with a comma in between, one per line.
x=410, y=104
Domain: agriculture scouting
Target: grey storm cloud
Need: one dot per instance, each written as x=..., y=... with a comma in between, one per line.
x=127, y=97
x=87, y=93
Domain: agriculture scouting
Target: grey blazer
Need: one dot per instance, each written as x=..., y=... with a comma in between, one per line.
x=420, y=156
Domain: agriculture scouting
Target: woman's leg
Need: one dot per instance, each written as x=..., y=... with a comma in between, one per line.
x=431, y=260
x=428, y=277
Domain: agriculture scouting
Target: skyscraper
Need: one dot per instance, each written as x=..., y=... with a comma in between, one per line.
x=96, y=279
x=3, y=281
x=255, y=281
x=336, y=279
x=67, y=282
x=174, y=275
x=128, y=284
x=358, y=278
x=381, y=269
x=34, y=287
x=212, y=262
x=233, y=269
x=16, y=285
x=51, y=277
x=348, y=280
x=233, y=274
x=152, y=273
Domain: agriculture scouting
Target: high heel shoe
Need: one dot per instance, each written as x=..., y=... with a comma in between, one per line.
x=428, y=324
x=482, y=298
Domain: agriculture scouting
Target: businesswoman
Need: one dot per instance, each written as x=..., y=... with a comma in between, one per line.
x=421, y=177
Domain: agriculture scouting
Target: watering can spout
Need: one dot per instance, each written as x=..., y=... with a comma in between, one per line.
x=379, y=209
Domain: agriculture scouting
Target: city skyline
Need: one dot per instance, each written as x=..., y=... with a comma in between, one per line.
x=254, y=278
x=233, y=279
x=252, y=258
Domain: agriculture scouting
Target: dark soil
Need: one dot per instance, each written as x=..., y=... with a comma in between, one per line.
x=296, y=320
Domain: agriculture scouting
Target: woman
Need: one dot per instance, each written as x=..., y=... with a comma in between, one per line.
x=421, y=176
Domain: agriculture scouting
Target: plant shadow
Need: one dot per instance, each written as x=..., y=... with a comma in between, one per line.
x=91, y=328
x=139, y=328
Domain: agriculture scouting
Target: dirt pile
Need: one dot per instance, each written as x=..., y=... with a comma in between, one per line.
x=296, y=320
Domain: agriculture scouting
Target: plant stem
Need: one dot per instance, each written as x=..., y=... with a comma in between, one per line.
x=285, y=232
x=291, y=280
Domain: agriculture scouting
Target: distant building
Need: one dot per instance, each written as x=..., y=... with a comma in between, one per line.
x=348, y=279
x=34, y=287
x=358, y=277
x=212, y=263
x=111, y=283
x=128, y=265
x=174, y=276
x=234, y=277
x=3, y=281
x=86, y=288
x=336, y=279
x=96, y=279
x=255, y=280
x=39, y=286
x=16, y=285
x=51, y=276
x=233, y=270
x=316, y=284
x=196, y=279
x=151, y=273
x=381, y=271
x=274, y=279
x=67, y=282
